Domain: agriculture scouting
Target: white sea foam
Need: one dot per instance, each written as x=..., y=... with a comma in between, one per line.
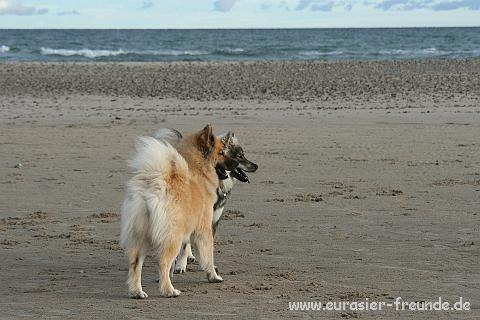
x=89, y=53
x=4, y=49
x=82, y=52
x=320, y=53
x=173, y=52
x=235, y=50
x=416, y=52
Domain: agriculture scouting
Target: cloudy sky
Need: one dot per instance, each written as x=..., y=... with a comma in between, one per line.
x=237, y=13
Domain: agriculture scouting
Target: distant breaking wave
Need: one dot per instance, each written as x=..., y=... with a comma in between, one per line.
x=173, y=52
x=427, y=51
x=4, y=49
x=89, y=53
x=82, y=52
x=306, y=54
x=321, y=53
x=234, y=50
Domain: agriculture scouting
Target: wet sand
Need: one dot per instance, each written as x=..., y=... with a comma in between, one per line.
x=368, y=186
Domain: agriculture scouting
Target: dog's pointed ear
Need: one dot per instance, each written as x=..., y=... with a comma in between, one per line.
x=206, y=134
x=206, y=140
x=228, y=138
x=207, y=130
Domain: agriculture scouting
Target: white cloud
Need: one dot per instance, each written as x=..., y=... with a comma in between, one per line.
x=452, y=5
x=324, y=5
x=437, y=5
x=402, y=4
x=278, y=4
x=384, y=5
x=224, y=5
x=15, y=7
x=347, y=5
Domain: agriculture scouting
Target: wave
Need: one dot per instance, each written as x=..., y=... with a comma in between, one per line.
x=89, y=53
x=233, y=51
x=225, y=53
x=417, y=52
x=82, y=52
x=320, y=53
x=230, y=52
x=173, y=52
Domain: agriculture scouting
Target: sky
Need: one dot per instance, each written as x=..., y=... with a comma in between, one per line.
x=163, y=14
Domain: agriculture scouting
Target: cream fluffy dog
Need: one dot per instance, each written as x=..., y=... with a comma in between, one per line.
x=169, y=202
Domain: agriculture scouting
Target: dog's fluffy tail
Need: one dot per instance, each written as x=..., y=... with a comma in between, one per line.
x=157, y=157
x=146, y=211
x=171, y=136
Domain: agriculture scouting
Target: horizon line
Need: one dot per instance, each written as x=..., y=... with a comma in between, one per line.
x=247, y=28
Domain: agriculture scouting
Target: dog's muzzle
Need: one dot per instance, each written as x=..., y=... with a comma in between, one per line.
x=240, y=175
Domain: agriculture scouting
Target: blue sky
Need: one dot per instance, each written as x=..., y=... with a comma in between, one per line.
x=237, y=13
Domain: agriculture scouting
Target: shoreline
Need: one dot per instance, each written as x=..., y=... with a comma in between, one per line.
x=406, y=60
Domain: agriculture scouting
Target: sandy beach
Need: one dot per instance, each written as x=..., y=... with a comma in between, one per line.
x=368, y=186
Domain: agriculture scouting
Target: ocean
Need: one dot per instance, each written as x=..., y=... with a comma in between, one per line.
x=239, y=45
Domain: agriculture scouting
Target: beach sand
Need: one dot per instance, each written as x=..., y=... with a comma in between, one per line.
x=368, y=186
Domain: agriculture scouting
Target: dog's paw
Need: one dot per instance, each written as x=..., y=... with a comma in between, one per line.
x=180, y=267
x=172, y=294
x=176, y=293
x=191, y=259
x=138, y=295
x=214, y=278
x=180, y=270
x=216, y=269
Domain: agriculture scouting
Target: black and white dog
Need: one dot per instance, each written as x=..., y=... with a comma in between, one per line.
x=226, y=177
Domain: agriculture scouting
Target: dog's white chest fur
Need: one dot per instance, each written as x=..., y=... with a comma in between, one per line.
x=217, y=214
x=225, y=187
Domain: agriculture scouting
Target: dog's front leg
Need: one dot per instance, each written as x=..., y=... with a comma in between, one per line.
x=204, y=246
